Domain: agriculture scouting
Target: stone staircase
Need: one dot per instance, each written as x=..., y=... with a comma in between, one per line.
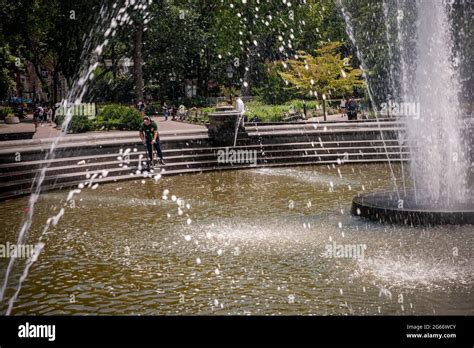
x=78, y=158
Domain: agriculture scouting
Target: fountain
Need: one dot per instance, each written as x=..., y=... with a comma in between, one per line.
x=438, y=137
x=255, y=241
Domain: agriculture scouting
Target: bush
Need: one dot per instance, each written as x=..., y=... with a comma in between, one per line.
x=266, y=113
x=4, y=112
x=110, y=117
x=208, y=110
x=118, y=117
x=100, y=125
x=59, y=119
x=78, y=123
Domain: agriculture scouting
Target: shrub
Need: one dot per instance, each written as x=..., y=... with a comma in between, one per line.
x=118, y=117
x=78, y=123
x=110, y=117
x=208, y=110
x=4, y=112
x=100, y=125
x=59, y=119
x=266, y=113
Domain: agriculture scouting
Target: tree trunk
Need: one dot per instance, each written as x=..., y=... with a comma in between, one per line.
x=55, y=86
x=138, y=61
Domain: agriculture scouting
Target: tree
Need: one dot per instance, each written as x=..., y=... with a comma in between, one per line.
x=7, y=61
x=324, y=74
x=50, y=34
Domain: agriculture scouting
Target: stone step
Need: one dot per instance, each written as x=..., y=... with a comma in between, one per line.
x=283, y=138
x=76, y=156
x=319, y=130
x=10, y=155
x=315, y=125
x=186, y=163
x=173, y=162
x=26, y=146
x=117, y=178
x=29, y=169
x=70, y=173
x=171, y=156
x=327, y=123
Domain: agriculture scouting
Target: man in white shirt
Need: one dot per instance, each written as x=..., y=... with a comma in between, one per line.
x=240, y=107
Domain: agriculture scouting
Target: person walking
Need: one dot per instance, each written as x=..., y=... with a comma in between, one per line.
x=149, y=136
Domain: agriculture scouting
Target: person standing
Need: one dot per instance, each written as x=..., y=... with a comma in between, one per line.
x=36, y=118
x=149, y=136
x=170, y=112
x=49, y=115
x=351, y=109
x=165, y=111
x=240, y=107
x=174, y=112
x=342, y=106
x=141, y=107
x=41, y=114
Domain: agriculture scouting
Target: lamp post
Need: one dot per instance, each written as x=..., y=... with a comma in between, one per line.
x=172, y=77
x=230, y=74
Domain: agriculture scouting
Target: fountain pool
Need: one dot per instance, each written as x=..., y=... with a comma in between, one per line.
x=268, y=241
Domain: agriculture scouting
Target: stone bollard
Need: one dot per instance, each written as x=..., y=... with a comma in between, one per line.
x=12, y=119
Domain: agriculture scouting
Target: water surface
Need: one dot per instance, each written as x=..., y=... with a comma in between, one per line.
x=240, y=242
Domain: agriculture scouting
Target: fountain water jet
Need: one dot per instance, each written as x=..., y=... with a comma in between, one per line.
x=110, y=18
x=438, y=138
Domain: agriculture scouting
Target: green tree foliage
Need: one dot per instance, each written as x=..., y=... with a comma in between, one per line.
x=192, y=40
x=324, y=74
x=7, y=62
x=48, y=33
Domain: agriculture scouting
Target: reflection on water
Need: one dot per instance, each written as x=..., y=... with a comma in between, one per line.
x=242, y=242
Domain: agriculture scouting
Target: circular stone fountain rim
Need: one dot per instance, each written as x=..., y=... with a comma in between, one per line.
x=359, y=199
x=365, y=206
